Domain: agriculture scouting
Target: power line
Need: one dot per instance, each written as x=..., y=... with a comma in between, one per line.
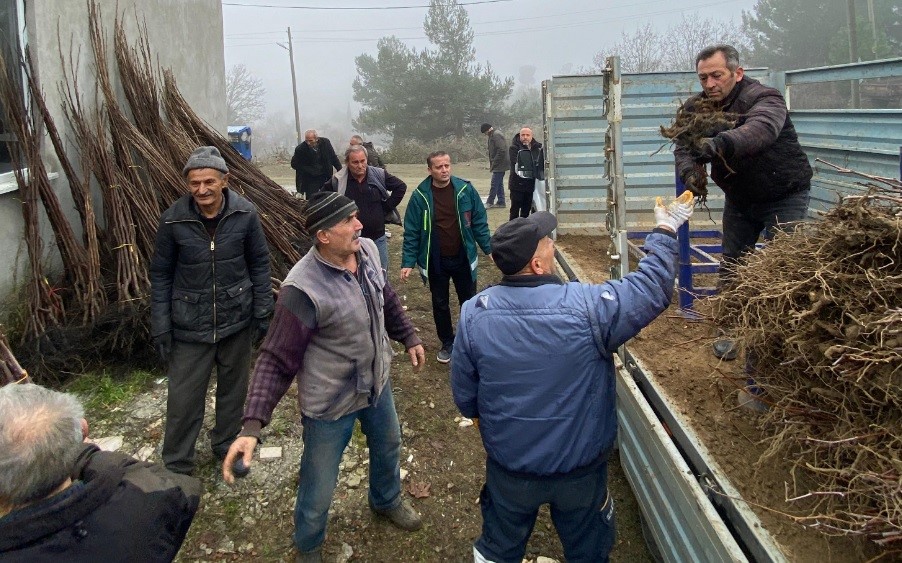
x=505, y=21
x=241, y=4
x=512, y=31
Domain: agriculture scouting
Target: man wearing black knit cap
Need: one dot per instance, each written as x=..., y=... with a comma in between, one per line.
x=211, y=295
x=547, y=411
x=498, y=163
x=335, y=314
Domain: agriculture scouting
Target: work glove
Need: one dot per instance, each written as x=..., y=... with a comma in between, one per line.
x=695, y=180
x=707, y=150
x=675, y=213
x=163, y=344
x=260, y=331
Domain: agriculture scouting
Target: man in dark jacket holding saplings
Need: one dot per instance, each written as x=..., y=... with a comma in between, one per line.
x=759, y=164
x=211, y=295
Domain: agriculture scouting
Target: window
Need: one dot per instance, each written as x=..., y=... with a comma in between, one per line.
x=11, y=41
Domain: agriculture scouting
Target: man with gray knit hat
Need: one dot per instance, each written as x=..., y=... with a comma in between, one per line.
x=334, y=316
x=211, y=296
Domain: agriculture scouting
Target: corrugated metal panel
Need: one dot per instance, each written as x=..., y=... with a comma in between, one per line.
x=865, y=140
x=575, y=129
x=682, y=522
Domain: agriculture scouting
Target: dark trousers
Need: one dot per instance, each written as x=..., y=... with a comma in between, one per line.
x=445, y=269
x=743, y=224
x=521, y=204
x=312, y=184
x=581, y=510
x=496, y=189
x=189, y=376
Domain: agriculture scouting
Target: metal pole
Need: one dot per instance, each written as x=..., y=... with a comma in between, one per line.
x=853, y=50
x=294, y=89
x=873, y=21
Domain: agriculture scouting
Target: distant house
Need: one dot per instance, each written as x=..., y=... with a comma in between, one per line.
x=185, y=36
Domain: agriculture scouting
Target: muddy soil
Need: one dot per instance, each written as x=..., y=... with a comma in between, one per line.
x=704, y=389
x=253, y=520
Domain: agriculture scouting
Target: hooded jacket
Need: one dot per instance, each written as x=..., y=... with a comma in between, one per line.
x=527, y=165
x=117, y=509
x=764, y=160
x=499, y=161
x=551, y=409
x=472, y=220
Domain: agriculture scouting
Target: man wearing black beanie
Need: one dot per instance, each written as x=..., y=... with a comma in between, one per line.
x=335, y=314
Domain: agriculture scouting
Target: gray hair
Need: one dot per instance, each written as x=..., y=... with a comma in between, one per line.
x=728, y=51
x=357, y=138
x=352, y=149
x=40, y=437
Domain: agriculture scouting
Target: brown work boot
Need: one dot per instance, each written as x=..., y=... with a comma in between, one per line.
x=403, y=516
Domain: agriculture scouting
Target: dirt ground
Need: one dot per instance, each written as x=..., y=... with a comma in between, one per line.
x=703, y=389
x=253, y=520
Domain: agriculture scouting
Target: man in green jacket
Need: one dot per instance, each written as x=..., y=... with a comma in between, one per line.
x=444, y=222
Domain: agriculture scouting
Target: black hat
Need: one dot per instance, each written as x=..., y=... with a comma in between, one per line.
x=515, y=242
x=327, y=209
x=484, y=127
x=205, y=157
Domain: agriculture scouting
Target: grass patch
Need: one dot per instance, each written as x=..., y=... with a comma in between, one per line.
x=101, y=391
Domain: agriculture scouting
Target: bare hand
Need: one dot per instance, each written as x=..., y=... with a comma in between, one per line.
x=242, y=446
x=417, y=357
x=405, y=273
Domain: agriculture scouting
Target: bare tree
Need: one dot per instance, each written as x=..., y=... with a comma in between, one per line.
x=646, y=50
x=639, y=51
x=244, y=96
x=690, y=35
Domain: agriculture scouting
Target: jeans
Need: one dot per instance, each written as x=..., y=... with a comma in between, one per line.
x=188, y=379
x=743, y=224
x=521, y=204
x=455, y=268
x=581, y=509
x=497, y=189
x=382, y=246
x=324, y=443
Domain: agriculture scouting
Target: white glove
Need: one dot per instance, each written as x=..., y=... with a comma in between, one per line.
x=675, y=213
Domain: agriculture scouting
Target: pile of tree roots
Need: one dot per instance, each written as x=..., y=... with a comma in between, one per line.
x=689, y=130
x=819, y=313
x=131, y=152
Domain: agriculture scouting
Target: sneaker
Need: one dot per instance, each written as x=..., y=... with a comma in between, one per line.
x=725, y=349
x=315, y=556
x=444, y=355
x=402, y=516
x=746, y=398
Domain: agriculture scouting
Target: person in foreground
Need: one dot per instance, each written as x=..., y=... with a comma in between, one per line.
x=335, y=314
x=62, y=499
x=547, y=411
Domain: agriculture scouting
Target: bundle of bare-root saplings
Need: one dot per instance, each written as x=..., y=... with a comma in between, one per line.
x=819, y=313
x=131, y=153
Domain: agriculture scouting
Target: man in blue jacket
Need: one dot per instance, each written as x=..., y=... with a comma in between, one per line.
x=444, y=221
x=547, y=410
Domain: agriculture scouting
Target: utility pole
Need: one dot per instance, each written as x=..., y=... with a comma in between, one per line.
x=873, y=21
x=294, y=87
x=853, y=51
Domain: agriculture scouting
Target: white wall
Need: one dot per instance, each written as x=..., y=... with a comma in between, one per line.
x=185, y=36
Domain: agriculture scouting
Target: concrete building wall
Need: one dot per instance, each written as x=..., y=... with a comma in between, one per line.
x=185, y=36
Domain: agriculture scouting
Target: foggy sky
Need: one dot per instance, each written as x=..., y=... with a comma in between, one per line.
x=556, y=36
